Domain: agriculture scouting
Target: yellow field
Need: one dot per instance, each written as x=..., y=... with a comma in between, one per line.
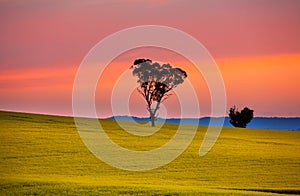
x=42, y=154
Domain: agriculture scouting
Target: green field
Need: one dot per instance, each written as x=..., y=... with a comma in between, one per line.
x=43, y=154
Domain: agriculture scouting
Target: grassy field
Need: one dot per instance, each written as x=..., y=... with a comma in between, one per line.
x=42, y=154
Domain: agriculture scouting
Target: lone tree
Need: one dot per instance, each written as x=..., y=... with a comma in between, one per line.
x=156, y=81
x=240, y=119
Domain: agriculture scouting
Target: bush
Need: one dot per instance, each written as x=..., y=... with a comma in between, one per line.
x=240, y=119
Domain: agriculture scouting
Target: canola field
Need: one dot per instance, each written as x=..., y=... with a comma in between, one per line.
x=42, y=154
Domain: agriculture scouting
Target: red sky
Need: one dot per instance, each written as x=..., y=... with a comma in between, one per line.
x=255, y=44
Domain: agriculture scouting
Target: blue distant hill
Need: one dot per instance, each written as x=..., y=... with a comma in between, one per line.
x=276, y=123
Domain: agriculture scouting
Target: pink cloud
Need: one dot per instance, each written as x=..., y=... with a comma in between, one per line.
x=43, y=42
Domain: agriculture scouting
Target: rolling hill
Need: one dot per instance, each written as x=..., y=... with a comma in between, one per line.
x=42, y=154
x=273, y=123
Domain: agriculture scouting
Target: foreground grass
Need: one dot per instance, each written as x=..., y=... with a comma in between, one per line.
x=42, y=154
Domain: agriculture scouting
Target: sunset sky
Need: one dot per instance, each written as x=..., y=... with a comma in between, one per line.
x=256, y=45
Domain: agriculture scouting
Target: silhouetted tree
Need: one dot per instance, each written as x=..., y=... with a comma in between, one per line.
x=240, y=119
x=156, y=81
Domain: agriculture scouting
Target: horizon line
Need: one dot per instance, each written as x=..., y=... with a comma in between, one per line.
x=103, y=118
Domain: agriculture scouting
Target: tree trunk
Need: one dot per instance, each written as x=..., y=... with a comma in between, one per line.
x=152, y=118
x=152, y=114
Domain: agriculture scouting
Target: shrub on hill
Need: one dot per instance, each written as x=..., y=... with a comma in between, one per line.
x=242, y=118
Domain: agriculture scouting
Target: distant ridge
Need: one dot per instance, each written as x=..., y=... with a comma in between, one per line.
x=274, y=123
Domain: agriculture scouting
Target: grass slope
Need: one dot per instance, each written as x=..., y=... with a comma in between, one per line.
x=42, y=154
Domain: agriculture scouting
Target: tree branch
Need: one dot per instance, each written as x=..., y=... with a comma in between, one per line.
x=165, y=97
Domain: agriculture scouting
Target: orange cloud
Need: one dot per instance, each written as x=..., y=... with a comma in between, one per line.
x=270, y=84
